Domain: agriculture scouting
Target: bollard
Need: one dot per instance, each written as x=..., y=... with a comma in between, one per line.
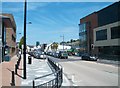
x=13, y=79
x=16, y=67
x=20, y=56
x=29, y=60
x=18, y=64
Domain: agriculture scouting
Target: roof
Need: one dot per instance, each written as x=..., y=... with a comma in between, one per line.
x=30, y=46
x=89, y=15
x=100, y=10
x=109, y=6
x=11, y=19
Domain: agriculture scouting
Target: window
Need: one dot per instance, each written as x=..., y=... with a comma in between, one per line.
x=82, y=27
x=101, y=35
x=115, y=32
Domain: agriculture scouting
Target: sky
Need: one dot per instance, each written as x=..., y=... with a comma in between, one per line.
x=50, y=20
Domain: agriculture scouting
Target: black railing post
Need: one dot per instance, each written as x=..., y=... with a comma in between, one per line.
x=13, y=79
x=57, y=80
x=61, y=75
x=33, y=84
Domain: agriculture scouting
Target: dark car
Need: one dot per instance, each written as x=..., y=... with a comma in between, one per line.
x=56, y=54
x=89, y=57
x=40, y=55
x=63, y=54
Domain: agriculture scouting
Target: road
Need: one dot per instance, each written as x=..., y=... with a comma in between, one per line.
x=88, y=73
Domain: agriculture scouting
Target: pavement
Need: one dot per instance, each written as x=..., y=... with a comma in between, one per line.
x=39, y=68
x=6, y=69
x=0, y=75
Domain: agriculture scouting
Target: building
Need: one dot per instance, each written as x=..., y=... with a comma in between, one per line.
x=43, y=46
x=37, y=43
x=29, y=48
x=48, y=48
x=86, y=26
x=107, y=34
x=8, y=35
x=74, y=44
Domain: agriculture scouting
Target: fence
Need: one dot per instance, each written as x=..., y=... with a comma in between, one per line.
x=55, y=82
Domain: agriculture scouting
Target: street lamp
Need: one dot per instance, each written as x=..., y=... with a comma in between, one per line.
x=29, y=22
x=63, y=41
x=24, y=50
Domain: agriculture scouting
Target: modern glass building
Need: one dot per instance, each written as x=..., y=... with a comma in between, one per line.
x=86, y=26
x=83, y=38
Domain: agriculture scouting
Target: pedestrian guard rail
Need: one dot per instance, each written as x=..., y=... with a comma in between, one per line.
x=57, y=80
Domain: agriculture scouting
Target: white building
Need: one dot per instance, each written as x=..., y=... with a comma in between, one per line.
x=60, y=47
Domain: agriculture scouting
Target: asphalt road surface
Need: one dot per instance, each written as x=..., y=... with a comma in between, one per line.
x=88, y=73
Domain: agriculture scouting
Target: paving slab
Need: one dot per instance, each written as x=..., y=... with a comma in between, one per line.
x=6, y=69
x=38, y=68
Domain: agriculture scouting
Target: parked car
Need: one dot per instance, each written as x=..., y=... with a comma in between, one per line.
x=39, y=55
x=89, y=57
x=63, y=54
x=56, y=54
x=50, y=54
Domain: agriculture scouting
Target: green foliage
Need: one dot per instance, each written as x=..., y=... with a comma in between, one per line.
x=21, y=42
x=54, y=46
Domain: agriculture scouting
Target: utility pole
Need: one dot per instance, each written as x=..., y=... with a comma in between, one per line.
x=63, y=41
x=24, y=51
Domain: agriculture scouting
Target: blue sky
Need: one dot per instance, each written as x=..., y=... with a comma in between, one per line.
x=50, y=20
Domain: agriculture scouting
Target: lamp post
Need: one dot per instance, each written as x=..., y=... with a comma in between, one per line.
x=24, y=51
x=63, y=41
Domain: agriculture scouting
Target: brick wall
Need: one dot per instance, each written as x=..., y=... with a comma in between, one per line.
x=92, y=22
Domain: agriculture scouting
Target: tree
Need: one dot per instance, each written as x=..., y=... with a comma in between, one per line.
x=54, y=46
x=21, y=42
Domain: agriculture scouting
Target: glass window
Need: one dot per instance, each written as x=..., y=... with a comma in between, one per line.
x=101, y=35
x=82, y=27
x=82, y=37
x=115, y=32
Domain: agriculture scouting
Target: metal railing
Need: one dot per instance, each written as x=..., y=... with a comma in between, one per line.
x=55, y=82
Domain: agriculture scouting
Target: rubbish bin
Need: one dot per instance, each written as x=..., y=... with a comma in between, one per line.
x=29, y=60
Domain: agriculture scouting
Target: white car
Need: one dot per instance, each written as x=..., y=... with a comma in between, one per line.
x=42, y=56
